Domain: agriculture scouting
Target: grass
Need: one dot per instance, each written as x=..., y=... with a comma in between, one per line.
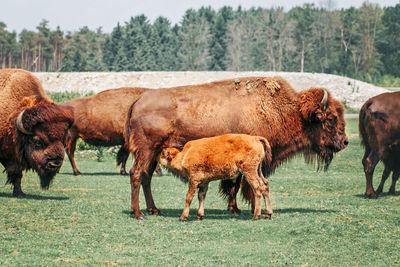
x=320, y=218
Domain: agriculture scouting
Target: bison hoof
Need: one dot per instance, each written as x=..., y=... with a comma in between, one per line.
x=182, y=219
x=154, y=212
x=372, y=195
x=235, y=211
x=391, y=192
x=123, y=172
x=19, y=194
x=199, y=218
x=255, y=218
x=268, y=216
x=77, y=173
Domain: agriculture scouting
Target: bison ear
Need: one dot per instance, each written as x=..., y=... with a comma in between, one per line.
x=26, y=121
x=312, y=104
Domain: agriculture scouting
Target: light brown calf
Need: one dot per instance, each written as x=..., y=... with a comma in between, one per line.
x=221, y=157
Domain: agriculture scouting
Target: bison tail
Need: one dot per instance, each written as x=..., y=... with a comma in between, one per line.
x=363, y=117
x=128, y=128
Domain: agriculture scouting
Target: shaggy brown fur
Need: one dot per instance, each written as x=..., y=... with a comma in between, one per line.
x=100, y=120
x=379, y=127
x=222, y=157
x=37, y=142
x=269, y=107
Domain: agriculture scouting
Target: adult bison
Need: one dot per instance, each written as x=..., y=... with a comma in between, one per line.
x=379, y=127
x=310, y=122
x=100, y=120
x=32, y=129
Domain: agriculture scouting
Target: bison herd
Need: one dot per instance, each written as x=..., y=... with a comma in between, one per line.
x=237, y=131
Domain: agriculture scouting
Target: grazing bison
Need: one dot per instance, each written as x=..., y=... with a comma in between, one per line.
x=100, y=119
x=221, y=157
x=379, y=127
x=32, y=129
x=310, y=121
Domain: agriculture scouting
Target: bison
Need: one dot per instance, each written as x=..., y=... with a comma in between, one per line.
x=32, y=129
x=221, y=157
x=310, y=121
x=379, y=127
x=100, y=119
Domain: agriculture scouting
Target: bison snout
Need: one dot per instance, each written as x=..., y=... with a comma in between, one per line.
x=54, y=164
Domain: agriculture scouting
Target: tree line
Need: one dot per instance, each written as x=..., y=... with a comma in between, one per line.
x=356, y=42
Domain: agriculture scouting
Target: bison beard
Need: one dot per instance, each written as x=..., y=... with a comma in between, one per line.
x=309, y=122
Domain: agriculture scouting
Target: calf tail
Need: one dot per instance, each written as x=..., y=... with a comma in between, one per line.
x=267, y=151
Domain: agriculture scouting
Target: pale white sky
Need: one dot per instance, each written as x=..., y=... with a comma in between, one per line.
x=71, y=15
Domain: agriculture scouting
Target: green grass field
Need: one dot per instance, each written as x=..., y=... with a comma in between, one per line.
x=320, y=218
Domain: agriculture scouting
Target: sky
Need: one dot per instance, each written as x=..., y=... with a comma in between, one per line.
x=71, y=15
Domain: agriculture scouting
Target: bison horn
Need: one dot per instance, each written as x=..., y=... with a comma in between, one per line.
x=324, y=99
x=20, y=125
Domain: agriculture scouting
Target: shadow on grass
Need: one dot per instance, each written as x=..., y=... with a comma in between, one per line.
x=383, y=194
x=35, y=197
x=95, y=174
x=218, y=214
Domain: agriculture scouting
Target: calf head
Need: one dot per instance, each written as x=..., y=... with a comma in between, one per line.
x=167, y=155
x=323, y=123
x=42, y=130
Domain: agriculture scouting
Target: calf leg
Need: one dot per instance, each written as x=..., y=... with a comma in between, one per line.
x=189, y=197
x=268, y=207
x=385, y=175
x=70, y=147
x=252, y=179
x=202, y=196
x=369, y=161
x=395, y=176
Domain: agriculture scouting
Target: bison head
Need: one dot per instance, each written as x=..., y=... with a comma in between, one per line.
x=324, y=124
x=42, y=131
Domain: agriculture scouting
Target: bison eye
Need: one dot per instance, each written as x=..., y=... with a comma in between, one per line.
x=37, y=142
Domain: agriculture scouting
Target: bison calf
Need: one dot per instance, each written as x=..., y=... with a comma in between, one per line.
x=221, y=157
x=379, y=127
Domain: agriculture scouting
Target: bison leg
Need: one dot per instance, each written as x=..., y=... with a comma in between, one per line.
x=70, y=147
x=15, y=179
x=158, y=170
x=369, y=162
x=140, y=173
x=122, y=157
x=395, y=176
x=385, y=175
x=230, y=188
x=146, y=184
x=202, y=196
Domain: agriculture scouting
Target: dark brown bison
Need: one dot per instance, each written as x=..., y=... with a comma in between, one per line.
x=379, y=127
x=100, y=120
x=310, y=121
x=221, y=157
x=32, y=129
